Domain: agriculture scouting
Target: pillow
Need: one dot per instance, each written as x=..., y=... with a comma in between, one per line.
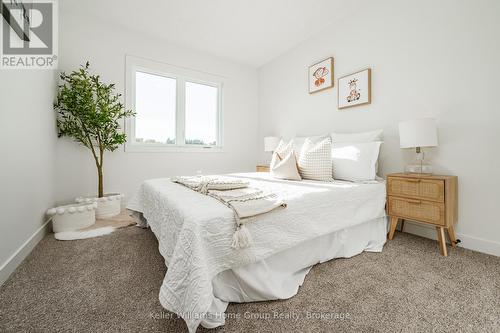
x=281, y=151
x=315, y=160
x=286, y=168
x=355, y=161
x=299, y=141
x=283, y=148
x=358, y=137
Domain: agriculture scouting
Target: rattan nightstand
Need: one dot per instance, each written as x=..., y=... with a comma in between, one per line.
x=429, y=199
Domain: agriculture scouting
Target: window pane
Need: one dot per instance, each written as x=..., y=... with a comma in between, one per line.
x=155, y=100
x=201, y=114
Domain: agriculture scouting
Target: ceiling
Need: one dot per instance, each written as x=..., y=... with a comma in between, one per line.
x=250, y=32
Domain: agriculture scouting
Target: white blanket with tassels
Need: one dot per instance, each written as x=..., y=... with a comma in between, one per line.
x=234, y=192
x=205, y=183
x=195, y=231
x=248, y=202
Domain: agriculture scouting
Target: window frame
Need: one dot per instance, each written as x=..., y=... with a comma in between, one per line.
x=181, y=75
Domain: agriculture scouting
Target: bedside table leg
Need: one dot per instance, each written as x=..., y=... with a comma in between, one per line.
x=394, y=223
x=442, y=241
x=451, y=234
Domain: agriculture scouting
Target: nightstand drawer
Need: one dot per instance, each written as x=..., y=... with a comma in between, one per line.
x=428, y=211
x=427, y=189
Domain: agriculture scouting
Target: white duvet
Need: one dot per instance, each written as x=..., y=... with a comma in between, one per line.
x=195, y=231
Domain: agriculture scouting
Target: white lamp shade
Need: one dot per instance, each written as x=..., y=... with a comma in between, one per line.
x=418, y=133
x=270, y=143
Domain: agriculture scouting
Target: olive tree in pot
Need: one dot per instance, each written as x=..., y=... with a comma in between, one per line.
x=89, y=111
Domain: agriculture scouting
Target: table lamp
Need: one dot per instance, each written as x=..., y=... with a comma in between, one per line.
x=417, y=134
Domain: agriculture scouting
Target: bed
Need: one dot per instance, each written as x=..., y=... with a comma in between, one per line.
x=323, y=220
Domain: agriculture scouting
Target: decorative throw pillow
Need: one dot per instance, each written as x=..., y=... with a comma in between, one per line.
x=283, y=148
x=286, y=168
x=299, y=141
x=281, y=152
x=315, y=160
x=355, y=161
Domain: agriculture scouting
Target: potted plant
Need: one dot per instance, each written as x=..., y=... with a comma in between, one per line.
x=89, y=111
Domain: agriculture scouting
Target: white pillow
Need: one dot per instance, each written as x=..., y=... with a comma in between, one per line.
x=355, y=161
x=299, y=141
x=286, y=168
x=283, y=148
x=315, y=160
x=358, y=137
x=281, y=151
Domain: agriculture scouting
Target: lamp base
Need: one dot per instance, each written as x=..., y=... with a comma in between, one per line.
x=419, y=168
x=420, y=165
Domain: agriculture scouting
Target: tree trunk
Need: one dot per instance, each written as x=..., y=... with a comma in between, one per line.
x=99, y=171
x=100, y=185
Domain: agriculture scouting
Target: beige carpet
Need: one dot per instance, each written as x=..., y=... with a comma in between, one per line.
x=111, y=284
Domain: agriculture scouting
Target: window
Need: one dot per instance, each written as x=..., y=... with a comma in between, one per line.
x=155, y=107
x=176, y=109
x=201, y=114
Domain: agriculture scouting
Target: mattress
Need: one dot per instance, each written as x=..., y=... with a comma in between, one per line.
x=195, y=231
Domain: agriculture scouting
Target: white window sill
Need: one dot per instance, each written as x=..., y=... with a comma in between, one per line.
x=159, y=148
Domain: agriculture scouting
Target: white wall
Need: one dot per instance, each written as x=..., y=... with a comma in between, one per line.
x=428, y=58
x=105, y=46
x=28, y=147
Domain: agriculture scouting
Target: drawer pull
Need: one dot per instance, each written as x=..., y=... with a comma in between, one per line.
x=413, y=201
x=411, y=180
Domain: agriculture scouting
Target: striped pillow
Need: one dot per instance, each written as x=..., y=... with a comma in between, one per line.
x=315, y=160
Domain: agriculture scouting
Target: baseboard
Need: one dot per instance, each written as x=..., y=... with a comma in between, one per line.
x=468, y=242
x=10, y=265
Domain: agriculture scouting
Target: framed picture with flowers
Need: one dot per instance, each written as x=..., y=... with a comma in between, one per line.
x=321, y=75
x=355, y=89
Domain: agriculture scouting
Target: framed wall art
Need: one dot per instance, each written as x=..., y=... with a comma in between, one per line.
x=321, y=75
x=355, y=89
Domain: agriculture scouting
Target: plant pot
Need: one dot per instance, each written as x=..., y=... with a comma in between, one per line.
x=107, y=206
x=72, y=217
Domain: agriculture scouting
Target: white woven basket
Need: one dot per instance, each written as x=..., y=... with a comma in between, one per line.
x=107, y=206
x=72, y=217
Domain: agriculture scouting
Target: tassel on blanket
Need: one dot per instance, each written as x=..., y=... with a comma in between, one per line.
x=241, y=238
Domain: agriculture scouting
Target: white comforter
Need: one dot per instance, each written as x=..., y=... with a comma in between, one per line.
x=195, y=231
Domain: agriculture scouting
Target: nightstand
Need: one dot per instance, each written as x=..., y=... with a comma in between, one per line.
x=429, y=199
x=262, y=168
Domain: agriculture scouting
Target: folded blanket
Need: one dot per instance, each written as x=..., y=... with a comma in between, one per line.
x=235, y=193
x=248, y=202
x=204, y=183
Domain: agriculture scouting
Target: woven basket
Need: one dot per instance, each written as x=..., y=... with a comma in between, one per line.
x=107, y=206
x=72, y=217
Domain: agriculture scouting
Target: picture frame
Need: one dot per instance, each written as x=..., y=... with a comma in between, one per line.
x=321, y=75
x=354, y=89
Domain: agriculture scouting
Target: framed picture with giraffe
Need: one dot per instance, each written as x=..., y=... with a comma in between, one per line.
x=355, y=89
x=321, y=75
